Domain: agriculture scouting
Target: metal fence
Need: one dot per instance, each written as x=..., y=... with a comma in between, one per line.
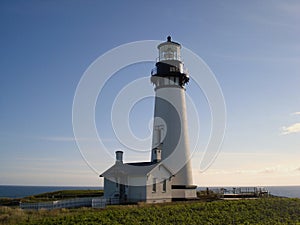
x=99, y=203
x=68, y=203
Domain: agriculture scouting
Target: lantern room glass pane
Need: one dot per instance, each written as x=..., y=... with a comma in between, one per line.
x=169, y=52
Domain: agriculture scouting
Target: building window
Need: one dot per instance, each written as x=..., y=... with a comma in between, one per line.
x=117, y=182
x=159, y=134
x=164, y=185
x=154, y=185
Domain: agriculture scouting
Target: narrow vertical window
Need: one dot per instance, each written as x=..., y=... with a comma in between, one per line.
x=176, y=80
x=154, y=185
x=164, y=187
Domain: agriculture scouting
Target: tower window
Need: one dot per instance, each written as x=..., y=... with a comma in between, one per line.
x=176, y=80
x=159, y=134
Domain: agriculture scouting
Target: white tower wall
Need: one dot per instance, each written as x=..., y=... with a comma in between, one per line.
x=170, y=131
x=170, y=116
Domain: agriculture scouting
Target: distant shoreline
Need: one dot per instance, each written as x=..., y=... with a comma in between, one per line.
x=19, y=191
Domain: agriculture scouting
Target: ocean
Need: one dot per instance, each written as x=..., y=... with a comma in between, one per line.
x=10, y=191
x=18, y=191
x=285, y=191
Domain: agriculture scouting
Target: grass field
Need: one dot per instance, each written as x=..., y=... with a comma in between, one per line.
x=52, y=196
x=253, y=211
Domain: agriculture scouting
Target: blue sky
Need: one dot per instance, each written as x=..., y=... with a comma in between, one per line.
x=252, y=47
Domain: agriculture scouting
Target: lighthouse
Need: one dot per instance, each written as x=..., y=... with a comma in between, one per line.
x=168, y=175
x=170, y=142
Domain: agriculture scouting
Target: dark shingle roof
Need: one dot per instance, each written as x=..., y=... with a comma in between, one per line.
x=133, y=169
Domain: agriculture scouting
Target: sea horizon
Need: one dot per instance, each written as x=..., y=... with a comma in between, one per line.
x=20, y=191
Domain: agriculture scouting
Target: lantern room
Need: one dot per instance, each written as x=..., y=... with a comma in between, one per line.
x=169, y=50
x=169, y=70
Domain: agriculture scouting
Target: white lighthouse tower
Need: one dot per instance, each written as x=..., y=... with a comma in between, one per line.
x=170, y=142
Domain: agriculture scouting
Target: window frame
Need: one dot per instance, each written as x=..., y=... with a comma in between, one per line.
x=154, y=186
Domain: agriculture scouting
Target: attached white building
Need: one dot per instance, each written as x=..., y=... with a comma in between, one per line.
x=137, y=182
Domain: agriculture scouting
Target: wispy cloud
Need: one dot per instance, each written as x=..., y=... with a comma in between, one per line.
x=276, y=169
x=289, y=11
x=67, y=139
x=64, y=139
x=73, y=139
x=294, y=128
x=269, y=170
x=292, y=9
x=271, y=22
x=267, y=58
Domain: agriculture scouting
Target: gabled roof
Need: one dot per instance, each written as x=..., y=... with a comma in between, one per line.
x=132, y=169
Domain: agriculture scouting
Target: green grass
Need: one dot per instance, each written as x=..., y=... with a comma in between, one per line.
x=255, y=211
x=65, y=194
x=52, y=196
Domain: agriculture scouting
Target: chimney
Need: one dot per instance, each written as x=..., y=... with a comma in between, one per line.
x=119, y=156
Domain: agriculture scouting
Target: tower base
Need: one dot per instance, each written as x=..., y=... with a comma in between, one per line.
x=184, y=192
